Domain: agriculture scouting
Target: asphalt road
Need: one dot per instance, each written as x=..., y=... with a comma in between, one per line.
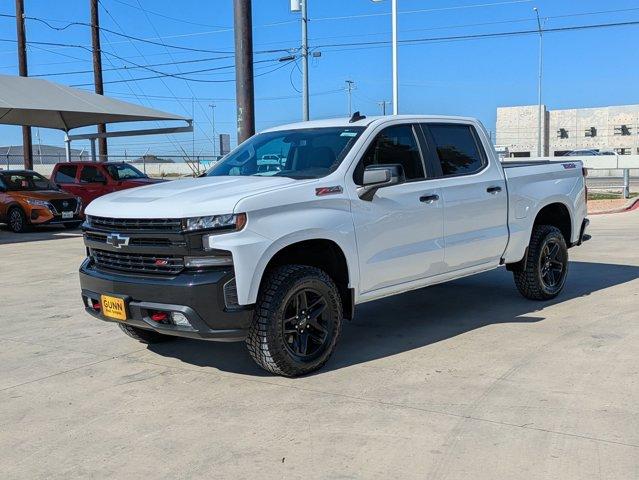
x=460, y=381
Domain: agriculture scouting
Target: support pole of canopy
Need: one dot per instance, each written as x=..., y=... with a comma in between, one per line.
x=93, y=158
x=67, y=146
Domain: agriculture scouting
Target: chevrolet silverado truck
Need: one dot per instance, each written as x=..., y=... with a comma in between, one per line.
x=361, y=209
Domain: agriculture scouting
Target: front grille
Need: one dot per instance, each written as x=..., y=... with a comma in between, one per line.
x=135, y=242
x=138, y=263
x=59, y=204
x=136, y=224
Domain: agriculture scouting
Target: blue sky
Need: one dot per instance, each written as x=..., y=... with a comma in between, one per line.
x=462, y=77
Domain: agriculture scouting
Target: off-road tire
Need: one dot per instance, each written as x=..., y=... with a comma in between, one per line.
x=529, y=280
x=17, y=220
x=144, y=336
x=266, y=339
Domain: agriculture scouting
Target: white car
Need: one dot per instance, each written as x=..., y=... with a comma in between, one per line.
x=362, y=208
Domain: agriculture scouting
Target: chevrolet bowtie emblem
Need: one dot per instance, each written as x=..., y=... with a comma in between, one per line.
x=117, y=240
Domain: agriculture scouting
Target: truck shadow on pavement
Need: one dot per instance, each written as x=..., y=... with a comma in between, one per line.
x=419, y=318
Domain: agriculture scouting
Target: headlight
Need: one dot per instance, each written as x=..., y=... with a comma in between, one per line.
x=232, y=222
x=37, y=203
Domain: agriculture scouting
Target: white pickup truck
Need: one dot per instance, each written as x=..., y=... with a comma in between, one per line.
x=355, y=210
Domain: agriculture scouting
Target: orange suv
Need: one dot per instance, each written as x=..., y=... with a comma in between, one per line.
x=27, y=198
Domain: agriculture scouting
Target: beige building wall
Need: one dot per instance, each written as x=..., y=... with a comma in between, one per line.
x=517, y=129
x=604, y=128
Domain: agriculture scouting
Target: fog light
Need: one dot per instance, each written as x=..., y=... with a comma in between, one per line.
x=180, y=319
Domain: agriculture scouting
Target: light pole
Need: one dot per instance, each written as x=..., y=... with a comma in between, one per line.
x=302, y=6
x=212, y=105
x=394, y=48
x=541, y=44
x=349, y=88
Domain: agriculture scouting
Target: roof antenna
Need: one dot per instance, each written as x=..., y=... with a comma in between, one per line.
x=357, y=117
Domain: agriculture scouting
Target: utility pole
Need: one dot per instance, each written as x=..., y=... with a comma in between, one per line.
x=305, y=103
x=349, y=88
x=539, y=136
x=27, y=149
x=97, y=73
x=395, y=74
x=244, y=69
x=212, y=105
x=382, y=104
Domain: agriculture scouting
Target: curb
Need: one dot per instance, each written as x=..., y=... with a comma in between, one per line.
x=631, y=205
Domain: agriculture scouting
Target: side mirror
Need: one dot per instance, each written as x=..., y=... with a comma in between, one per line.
x=379, y=176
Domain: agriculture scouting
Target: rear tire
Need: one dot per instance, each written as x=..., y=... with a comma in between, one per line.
x=17, y=220
x=544, y=276
x=144, y=336
x=297, y=321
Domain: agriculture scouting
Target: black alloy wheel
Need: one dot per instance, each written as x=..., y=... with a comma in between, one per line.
x=306, y=324
x=551, y=264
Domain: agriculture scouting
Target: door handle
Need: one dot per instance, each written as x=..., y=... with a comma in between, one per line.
x=493, y=190
x=429, y=198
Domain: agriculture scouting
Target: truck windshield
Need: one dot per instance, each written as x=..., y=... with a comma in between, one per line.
x=124, y=171
x=303, y=153
x=25, y=181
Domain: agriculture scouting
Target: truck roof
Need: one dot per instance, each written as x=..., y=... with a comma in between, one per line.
x=89, y=162
x=366, y=121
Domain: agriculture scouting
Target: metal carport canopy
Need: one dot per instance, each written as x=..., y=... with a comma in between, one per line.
x=34, y=102
x=39, y=103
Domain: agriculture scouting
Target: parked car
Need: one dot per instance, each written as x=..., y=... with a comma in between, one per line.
x=90, y=180
x=362, y=209
x=588, y=153
x=28, y=199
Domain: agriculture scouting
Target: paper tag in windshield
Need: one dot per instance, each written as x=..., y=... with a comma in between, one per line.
x=348, y=134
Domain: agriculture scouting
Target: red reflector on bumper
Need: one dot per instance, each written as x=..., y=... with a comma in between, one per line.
x=159, y=316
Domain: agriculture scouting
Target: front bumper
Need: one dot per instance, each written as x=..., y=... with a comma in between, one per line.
x=199, y=296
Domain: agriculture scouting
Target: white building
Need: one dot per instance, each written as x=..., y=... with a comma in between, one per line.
x=602, y=128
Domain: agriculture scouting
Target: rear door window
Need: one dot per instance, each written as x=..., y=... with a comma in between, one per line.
x=91, y=174
x=457, y=148
x=65, y=174
x=393, y=145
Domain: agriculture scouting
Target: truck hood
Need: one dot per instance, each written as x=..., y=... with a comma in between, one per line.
x=184, y=198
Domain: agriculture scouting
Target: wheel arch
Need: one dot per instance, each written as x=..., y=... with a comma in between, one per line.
x=320, y=252
x=558, y=215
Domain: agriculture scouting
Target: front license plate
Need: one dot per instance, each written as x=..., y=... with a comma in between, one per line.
x=67, y=214
x=113, y=307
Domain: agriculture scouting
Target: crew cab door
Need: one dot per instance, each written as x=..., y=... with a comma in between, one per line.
x=399, y=232
x=93, y=183
x=474, y=196
x=66, y=177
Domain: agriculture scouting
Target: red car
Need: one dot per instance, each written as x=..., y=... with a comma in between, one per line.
x=90, y=180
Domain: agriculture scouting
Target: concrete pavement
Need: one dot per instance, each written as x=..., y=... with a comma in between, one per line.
x=463, y=380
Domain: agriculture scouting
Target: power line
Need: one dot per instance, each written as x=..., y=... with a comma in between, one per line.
x=139, y=39
x=481, y=35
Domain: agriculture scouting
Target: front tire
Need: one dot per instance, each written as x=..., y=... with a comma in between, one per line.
x=297, y=321
x=17, y=220
x=144, y=336
x=544, y=276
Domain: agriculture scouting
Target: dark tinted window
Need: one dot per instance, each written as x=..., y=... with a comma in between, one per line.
x=395, y=144
x=457, y=149
x=66, y=174
x=91, y=174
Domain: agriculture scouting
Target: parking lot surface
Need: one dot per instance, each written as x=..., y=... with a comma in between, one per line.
x=461, y=380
